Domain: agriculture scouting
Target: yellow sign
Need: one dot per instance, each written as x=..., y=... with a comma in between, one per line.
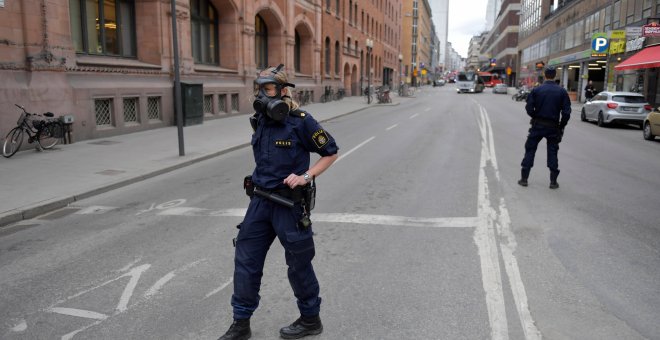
x=617, y=46
x=423, y=72
x=508, y=70
x=415, y=73
x=618, y=34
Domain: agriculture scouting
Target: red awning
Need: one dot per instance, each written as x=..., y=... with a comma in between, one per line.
x=646, y=58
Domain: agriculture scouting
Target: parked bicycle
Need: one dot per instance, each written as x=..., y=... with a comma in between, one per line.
x=42, y=129
x=368, y=96
x=340, y=94
x=328, y=94
x=383, y=95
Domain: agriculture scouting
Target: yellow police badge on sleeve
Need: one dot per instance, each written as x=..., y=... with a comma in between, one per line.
x=320, y=138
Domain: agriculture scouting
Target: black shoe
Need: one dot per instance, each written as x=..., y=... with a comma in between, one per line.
x=554, y=185
x=302, y=327
x=524, y=174
x=239, y=330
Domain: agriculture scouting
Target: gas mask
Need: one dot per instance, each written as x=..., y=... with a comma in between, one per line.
x=268, y=96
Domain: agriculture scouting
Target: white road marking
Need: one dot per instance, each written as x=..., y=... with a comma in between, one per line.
x=155, y=288
x=217, y=290
x=19, y=327
x=95, y=210
x=391, y=127
x=130, y=287
x=128, y=266
x=491, y=228
x=353, y=149
x=81, y=313
x=413, y=116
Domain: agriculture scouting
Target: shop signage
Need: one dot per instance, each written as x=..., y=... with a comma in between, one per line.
x=617, y=34
x=508, y=70
x=617, y=46
x=599, y=45
x=635, y=44
x=633, y=32
x=651, y=30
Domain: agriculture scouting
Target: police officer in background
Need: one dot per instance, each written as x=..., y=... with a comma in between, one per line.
x=550, y=109
x=284, y=136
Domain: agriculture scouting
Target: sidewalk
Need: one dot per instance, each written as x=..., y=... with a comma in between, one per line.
x=33, y=183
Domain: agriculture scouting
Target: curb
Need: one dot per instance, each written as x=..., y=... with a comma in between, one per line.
x=40, y=208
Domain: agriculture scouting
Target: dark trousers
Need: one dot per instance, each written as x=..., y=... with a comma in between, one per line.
x=536, y=133
x=264, y=221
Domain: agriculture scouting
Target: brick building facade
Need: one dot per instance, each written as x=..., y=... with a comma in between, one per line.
x=110, y=63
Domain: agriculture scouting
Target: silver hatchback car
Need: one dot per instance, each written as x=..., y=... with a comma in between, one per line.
x=620, y=107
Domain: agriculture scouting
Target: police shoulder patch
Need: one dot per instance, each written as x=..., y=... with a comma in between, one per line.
x=320, y=138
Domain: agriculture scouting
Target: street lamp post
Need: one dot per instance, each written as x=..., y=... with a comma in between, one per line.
x=370, y=46
x=400, y=69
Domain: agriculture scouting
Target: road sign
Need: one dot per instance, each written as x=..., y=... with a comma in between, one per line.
x=599, y=45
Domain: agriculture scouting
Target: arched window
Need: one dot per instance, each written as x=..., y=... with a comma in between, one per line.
x=260, y=43
x=296, y=53
x=103, y=27
x=348, y=46
x=327, y=4
x=327, y=55
x=337, y=54
x=204, y=27
x=337, y=5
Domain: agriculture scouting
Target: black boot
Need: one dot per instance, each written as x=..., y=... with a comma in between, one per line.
x=239, y=330
x=302, y=327
x=553, y=179
x=524, y=174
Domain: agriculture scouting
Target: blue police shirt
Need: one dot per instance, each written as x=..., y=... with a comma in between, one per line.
x=548, y=101
x=281, y=149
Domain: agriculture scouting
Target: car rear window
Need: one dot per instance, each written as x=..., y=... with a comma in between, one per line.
x=629, y=99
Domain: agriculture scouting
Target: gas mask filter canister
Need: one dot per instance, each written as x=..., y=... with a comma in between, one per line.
x=273, y=106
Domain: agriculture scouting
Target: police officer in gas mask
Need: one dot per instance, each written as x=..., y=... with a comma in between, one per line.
x=284, y=136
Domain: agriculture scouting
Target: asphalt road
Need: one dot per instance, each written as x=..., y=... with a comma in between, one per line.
x=421, y=233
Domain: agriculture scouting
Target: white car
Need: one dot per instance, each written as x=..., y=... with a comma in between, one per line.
x=616, y=107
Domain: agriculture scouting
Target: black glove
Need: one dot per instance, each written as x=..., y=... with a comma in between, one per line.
x=560, y=135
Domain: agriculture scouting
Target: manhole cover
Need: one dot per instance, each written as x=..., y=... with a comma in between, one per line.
x=110, y=172
x=104, y=142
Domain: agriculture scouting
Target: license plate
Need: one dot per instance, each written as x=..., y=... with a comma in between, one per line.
x=630, y=109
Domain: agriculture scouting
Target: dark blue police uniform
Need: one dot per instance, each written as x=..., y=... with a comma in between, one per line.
x=550, y=109
x=280, y=148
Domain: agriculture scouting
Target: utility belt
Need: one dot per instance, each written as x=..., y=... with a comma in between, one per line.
x=288, y=197
x=545, y=122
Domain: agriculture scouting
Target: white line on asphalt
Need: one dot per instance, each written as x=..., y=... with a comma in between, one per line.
x=81, y=313
x=353, y=149
x=486, y=239
x=155, y=288
x=391, y=127
x=130, y=287
x=413, y=116
x=19, y=327
x=215, y=291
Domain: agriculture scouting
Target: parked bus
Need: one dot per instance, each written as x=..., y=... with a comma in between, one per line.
x=490, y=79
x=469, y=82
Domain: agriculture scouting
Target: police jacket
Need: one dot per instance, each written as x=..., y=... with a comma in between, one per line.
x=549, y=102
x=283, y=148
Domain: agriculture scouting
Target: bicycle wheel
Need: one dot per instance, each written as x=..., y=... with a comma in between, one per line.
x=12, y=142
x=48, y=136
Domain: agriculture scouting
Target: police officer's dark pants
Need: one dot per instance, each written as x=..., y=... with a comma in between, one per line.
x=536, y=133
x=264, y=221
